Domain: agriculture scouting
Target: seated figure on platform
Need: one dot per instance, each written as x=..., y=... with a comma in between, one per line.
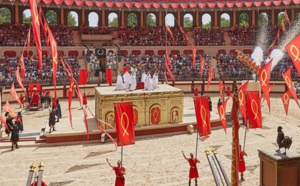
x=148, y=82
x=126, y=78
x=132, y=82
x=155, y=80
x=120, y=85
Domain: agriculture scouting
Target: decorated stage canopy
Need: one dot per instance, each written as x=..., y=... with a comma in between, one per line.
x=166, y=4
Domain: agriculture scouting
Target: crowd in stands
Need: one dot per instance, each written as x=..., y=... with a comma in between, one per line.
x=243, y=35
x=181, y=66
x=95, y=30
x=16, y=35
x=209, y=37
x=149, y=36
x=8, y=66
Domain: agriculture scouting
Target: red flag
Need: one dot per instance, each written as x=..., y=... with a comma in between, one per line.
x=27, y=42
x=283, y=26
x=14, y=94
x=17, y=74
x=221, y=89
x=170, y=73
x=166, y=79
x=86, y=124
x=264, y=78
x=124, y=123
x=285, y=97
x=286, y=17
x=222, y=114
x=4, y=123
x=293, y=50
x=242, y=99
x=70, y=96
x=184, y=35
x=22, y=66
x=170, y=32
x=46, y=28
x=168, y=60
x=83, y=75
x=254, y=109
x=36, y=31
x=288, y=81
x=202, y=63
x=53, y=47
x=202, y=115
x=194, y=55
x=271, y=46
x=210, y=76
x=8, y=109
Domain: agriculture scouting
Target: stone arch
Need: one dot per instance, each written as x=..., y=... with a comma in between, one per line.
x=51, y=17
x=244, y=19
x=174, y=115
x=5, y=15
x=93, y=19
x=132, y=20
x=206, y=20
x=113, y=20
x=170, y=20
x=263, y=19
x=280, y=17
x=72, y=18
x=225, y=20
x=26, y=16
x=188, y=20
x=110, y=118
x=151, y=20
x=155, y=114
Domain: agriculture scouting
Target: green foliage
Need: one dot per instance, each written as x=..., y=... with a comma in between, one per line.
x=113, y=23
x=280, y=18
x=51, y=17
x=262, y=19
x=71, y=20
x=187, y=22
x=132, y=20
x=26, y=20
x=5, y=15
x=225, y=23
x=207, y=25
x=150, y=22
x=244, y=20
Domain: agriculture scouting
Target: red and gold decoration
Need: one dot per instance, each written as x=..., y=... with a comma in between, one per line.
x=285, y=97
x=22, y=66
x=222, y=114
x=283, y=27
x=287, y=19
x=124, y=123
x=194, y=55
x=264, y=79
x=86, y=124
x=221, y=89
x=254, y=109
x=135, y=117
x=170, y=32
x=202, y=63
x=36, y=31
x=249, y=62
x=17, y=75
x=14, y=94
x=202, y=115
x=288, y=81
x=155, y=115
x=210, y=77
x=7, y=108
x=293, y=49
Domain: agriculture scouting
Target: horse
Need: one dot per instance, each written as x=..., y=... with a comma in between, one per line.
x=46, y=101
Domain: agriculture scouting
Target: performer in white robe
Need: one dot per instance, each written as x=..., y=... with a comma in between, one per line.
x=148, y=82
x=126, y=77
x=120, y=85
x=143, y=77
x=155, y=80
x=132, y=82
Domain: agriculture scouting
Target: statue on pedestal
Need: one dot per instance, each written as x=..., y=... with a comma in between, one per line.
x=283, y=141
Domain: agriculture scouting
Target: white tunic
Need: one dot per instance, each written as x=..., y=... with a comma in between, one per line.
x=126, y=79
x=132, y=83
x=148, y=83
x=120, y=85
x=155, y=81
x=143, y=77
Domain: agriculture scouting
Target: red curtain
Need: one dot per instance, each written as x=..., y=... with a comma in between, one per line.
x=83, y=74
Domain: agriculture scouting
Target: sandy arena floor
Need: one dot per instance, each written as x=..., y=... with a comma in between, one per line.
x=152, y=161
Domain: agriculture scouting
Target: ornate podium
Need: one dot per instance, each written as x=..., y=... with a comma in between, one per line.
x=277, y=169
x=161, y=106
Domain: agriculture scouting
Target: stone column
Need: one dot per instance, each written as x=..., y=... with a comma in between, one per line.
x=293, y=15
x=160, y=19
x=83, y=17
x=273, y=17
x=62, y=16
x=197, y=18
x=123, y=19
x=234, y=18
x=17, y=16
x=253, y=17
x=103, y=18
x=142, y=18
x=179, y=18
x=216, y=18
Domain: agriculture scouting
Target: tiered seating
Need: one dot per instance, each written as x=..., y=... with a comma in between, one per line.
x=243, y=35
x=209, y=37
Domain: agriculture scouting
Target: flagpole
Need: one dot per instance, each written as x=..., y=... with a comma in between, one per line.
x=121, y=156
x=245, y=138
x=197, y=144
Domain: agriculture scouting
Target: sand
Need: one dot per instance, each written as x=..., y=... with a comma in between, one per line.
x=151, y=161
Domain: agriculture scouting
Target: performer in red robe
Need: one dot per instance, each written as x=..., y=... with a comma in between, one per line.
x=120, y=172
x=228, y=93
x=38, y=86
x=242, y=166
x=30, y=88
x=84, y=100
x=22, y=98
x=193, y=169
x=196, y=92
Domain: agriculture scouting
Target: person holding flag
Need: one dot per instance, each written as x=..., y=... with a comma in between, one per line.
x=120, y=172
x=193, y=169
x=242, y=165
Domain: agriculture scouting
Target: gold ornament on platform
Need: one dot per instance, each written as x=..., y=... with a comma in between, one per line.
x=248, y=61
